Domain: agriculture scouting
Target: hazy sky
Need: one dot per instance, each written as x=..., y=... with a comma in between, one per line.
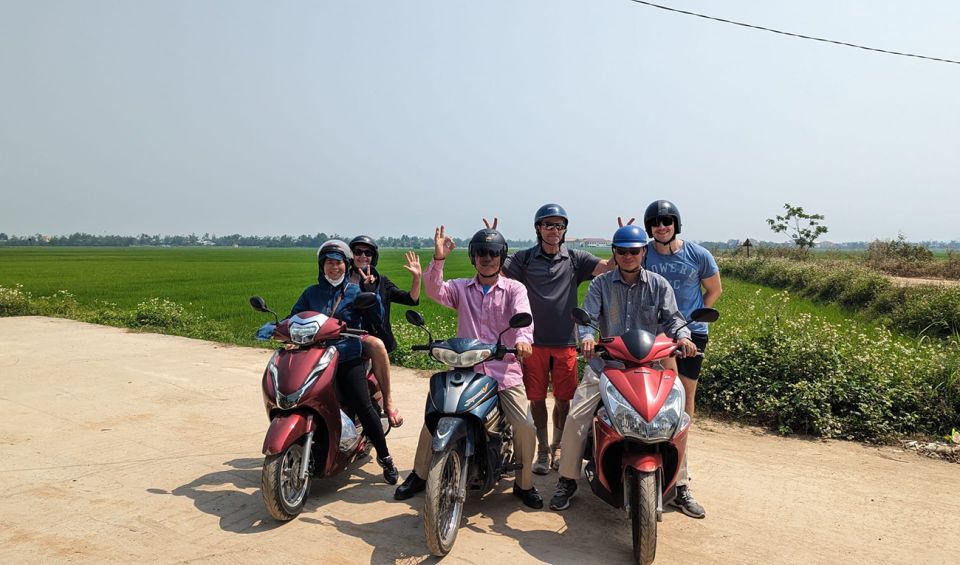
x=390, y=117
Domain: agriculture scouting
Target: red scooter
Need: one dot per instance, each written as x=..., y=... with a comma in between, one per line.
x=640, y=428
x=310, y=433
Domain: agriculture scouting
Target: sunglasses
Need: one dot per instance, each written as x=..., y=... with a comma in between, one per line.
x=486, y=253
x=665, y=221
x=627, y=250
x=363, y=252
x=553, y=226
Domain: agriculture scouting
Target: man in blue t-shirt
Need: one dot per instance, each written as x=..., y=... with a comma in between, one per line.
x=695, y=277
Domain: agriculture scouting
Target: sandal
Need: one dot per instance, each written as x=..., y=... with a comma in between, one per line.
x=394, y=417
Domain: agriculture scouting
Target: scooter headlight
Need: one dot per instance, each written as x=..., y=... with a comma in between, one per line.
x=628, y=422
x=460, y=360
x=303, y=333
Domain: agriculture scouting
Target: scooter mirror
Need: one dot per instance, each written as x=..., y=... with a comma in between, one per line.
x=258, y=304
x=581, y=317
x=414, y=318
x=364, y=301
x=704, y=315
x=521, y=320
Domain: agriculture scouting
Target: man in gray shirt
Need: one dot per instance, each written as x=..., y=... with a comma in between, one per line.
x=551, y=273
x=623, y=299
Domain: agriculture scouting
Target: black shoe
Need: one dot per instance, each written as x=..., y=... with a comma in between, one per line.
x=390, y=473
x=411, y=486
x=565, y=491
x=529, y=496
x=687, y=504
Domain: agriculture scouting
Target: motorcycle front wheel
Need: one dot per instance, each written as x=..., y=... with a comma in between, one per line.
x=643, y=515
x=443, y=504
x=284, y=492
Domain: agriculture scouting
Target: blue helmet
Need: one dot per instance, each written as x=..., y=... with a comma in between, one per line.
x=629, y=236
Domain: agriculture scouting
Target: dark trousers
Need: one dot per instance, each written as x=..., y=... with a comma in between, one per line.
x=353, y=391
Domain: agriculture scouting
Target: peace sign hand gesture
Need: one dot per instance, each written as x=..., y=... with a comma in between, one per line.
x=442, y=244
x=489, y=226
x=367, y=275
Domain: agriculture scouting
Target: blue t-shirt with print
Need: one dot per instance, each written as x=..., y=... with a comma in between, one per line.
x=684, y=269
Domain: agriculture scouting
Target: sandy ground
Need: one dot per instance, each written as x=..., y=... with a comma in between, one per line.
x=126, y=447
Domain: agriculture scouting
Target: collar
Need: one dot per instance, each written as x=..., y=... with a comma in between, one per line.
x=619, y=279
x=562, y=254
x=500, y=282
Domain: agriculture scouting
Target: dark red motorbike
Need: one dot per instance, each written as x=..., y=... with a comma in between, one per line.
x=311, y=434
x=640, y=428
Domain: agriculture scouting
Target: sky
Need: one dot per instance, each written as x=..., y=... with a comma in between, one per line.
x=390, y=118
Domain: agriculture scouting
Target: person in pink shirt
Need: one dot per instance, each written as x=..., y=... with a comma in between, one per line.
x=484, y=304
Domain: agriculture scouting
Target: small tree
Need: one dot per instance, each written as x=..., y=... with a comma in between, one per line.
x=804, y=229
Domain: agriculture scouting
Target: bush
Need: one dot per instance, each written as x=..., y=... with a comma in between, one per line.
x=15, y=301
x=804, y=375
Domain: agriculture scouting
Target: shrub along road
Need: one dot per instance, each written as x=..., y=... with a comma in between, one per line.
x=118, y=446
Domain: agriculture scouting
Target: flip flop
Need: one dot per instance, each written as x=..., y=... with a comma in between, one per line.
x=394, y=416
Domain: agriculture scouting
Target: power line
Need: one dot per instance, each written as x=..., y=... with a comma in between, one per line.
x=801, y=36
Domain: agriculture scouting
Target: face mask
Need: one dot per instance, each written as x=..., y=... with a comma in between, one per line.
x=334, y=282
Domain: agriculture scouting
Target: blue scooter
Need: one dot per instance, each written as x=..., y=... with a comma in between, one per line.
x=472, y=441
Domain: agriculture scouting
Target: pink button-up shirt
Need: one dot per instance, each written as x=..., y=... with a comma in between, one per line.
x=484, y=316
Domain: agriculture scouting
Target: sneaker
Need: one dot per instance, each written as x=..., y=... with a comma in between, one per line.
x=542, y=465
x=531, y=497
x=390, y=473
x=555, y=458
x=411, y=486
x=566, y=488
x=687, y=504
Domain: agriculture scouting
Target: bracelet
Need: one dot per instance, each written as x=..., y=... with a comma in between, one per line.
x=438, y=259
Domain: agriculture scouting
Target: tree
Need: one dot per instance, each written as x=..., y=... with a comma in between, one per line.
x=804, y=229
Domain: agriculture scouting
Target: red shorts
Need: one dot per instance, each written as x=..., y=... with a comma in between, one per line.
x=558, y=362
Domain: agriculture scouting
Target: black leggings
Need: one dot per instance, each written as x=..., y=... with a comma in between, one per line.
x=352, y=386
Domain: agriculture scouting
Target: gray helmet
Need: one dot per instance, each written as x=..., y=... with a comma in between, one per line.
x=549, y=210
x=488, y=239
x=334, y=249
x=369, y=242
x=661, y=208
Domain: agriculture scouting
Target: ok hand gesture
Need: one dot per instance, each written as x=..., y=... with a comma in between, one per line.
x=442, y=245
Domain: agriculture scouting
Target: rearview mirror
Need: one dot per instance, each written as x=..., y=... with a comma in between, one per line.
x=414, y=318
x=258, y=304
x=365, y=301
x=521, y=320
x=581, y=317
x=707, y=315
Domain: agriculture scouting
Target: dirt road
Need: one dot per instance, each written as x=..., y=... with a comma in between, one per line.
x=125, y=447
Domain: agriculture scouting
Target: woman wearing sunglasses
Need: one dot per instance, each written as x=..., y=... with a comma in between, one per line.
x=378, y=345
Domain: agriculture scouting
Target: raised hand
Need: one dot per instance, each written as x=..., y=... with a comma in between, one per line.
x=368, y=276
x=629, y=223
x=442, y=245
x=413, y=264
x=489, y=227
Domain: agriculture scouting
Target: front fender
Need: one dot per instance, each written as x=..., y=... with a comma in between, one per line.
x=644, y=462
x=284, y=430
x=451, y=430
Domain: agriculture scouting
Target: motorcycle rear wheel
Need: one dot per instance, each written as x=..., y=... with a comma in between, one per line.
x=443, y=504
x=284, y=493
x=643, y=516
